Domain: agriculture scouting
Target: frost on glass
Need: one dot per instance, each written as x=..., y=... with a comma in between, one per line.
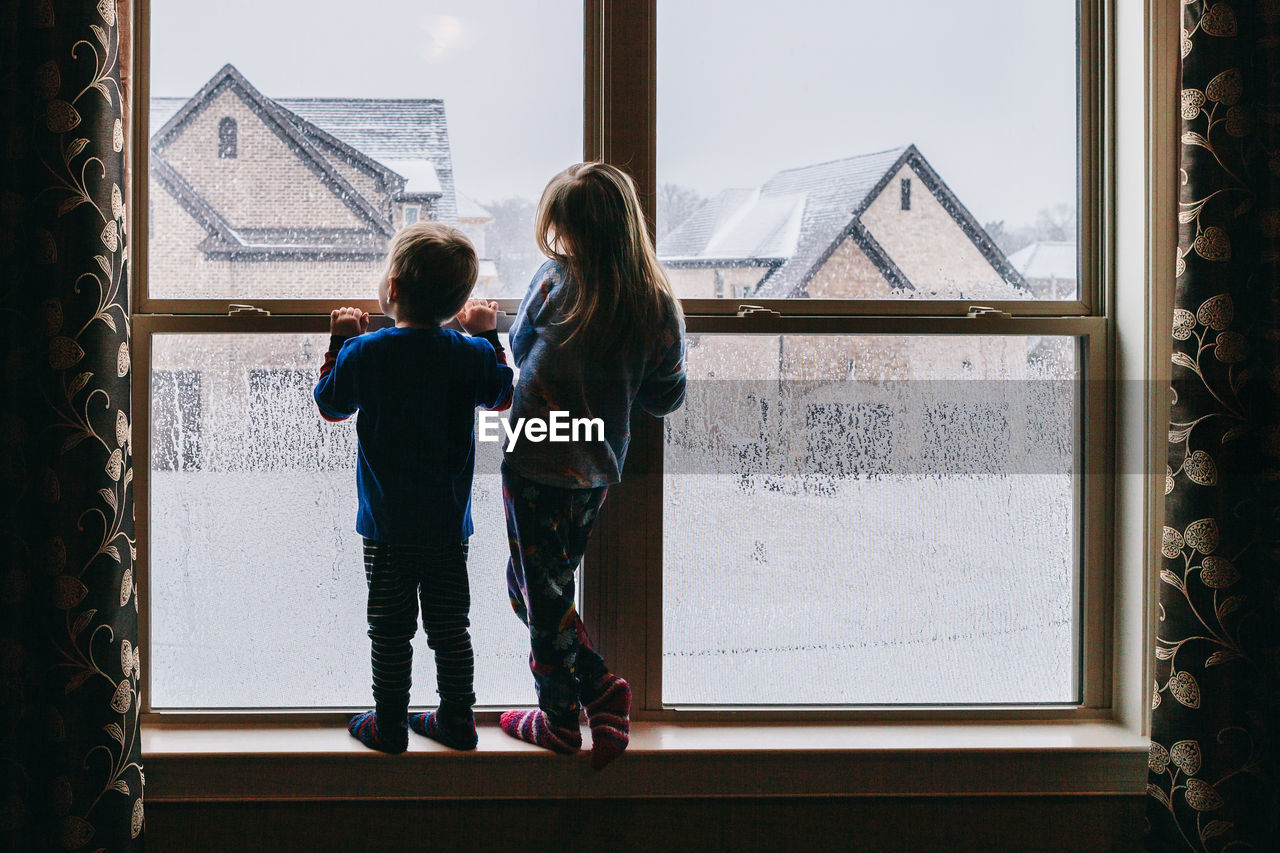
x=899, y=150
x=872, y=520
x=257, y=591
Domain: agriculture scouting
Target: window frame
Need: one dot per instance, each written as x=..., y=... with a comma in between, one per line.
x=619, y=125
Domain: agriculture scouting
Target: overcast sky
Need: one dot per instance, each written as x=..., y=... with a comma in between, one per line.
x=986, y=91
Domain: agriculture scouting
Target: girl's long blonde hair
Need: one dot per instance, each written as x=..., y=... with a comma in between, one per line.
x=589, y=221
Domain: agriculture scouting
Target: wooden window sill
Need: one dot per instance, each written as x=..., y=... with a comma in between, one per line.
x=257, y=762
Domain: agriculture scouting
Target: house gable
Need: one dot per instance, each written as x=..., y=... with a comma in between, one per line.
x=938, y=246
x=837, y=229
x=277, y=151
x=849, y=273
x=268, y=184
x=935, y=248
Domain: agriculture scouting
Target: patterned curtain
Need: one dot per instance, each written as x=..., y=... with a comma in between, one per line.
x=1216, y=717
x=69, y=663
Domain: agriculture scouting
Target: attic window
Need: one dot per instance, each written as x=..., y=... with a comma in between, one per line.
x=411, y=214
x=227, y=138
x=906, y=193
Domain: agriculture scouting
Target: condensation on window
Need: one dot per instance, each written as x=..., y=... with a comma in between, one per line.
x=257, y=589
x=872, y=520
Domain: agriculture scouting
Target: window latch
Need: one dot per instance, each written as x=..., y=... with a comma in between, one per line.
x=986, y=311
x=756, y=311
x=239, y=308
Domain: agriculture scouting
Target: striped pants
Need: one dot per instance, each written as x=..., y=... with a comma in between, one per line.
x=399, y=577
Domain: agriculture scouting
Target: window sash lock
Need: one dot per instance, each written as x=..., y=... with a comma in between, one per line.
x=758, y=311
x=976, y=311
x=236, y=309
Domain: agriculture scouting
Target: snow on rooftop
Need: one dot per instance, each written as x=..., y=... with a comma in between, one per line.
x=1046, y=259
x=163, y=109
x=796, y=215
x=383, y=129
x=469, y=208
x=420, y=175
x=764, y=228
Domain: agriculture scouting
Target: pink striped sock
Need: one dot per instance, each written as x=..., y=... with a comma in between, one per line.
x=534, y=727
x=609, y=715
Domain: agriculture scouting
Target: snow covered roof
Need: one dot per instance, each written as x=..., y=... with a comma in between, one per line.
x=793, y=218
x=387, y=129
x=373, y=132
x=420, y=175
x=469, y=208
x=799, y=217
x=163, y=109
x=1046, y=259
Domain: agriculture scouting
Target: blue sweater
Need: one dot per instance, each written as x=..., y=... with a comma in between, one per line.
x=416, y=391
x=558, y=378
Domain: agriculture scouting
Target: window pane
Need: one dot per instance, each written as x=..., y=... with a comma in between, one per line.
x=906, y=150
x=880, y=523
x=281, y=163
x=257, y=588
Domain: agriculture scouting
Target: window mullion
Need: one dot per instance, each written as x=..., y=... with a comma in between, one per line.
x=623, y=564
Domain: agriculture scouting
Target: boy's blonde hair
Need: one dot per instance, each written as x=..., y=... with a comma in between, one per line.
x=589, y=221
x=435, y=269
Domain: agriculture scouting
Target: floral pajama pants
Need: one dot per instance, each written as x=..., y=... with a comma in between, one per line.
x=547, y=528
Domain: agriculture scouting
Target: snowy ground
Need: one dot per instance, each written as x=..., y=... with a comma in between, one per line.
x=897, y=590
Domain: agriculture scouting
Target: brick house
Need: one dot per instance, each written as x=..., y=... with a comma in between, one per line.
x=291, y=197
x=875, y=226
x=254, y=197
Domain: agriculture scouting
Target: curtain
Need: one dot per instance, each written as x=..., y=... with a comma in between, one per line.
x=69, y=658
x=1216, y=709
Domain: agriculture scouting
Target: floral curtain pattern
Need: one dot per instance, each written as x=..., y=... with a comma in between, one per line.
x=1216, y=709
x=69, y=660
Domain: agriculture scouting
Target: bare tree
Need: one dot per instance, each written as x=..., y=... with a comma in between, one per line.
x=1052, y=224
x=511, y=244
x=676, y=203
x=1056, y=223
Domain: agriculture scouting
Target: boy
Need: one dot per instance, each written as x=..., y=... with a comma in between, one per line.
x=416, y=386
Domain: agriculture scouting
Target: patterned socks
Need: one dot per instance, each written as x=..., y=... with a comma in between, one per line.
x=608, y=706
x=534, y=727
x=608, y=714
x=392, y=739
x=456, y=732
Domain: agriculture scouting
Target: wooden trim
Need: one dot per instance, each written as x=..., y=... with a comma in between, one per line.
x=140, y=346
x=889, y=307
x=1095, y=149
x=1161, y=69
x=798, y=307
x=625, y=550
x=139, y=155
x=225, y=764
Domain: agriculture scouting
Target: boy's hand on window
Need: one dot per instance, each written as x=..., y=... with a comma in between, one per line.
x=478, y=316
x=348, y=322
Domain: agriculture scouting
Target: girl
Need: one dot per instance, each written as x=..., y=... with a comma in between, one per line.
x=598, y=331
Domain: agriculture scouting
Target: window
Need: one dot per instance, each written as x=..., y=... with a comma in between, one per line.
x=227, y=138
x=823, y=475
x=249, y=495
x=871, y=505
